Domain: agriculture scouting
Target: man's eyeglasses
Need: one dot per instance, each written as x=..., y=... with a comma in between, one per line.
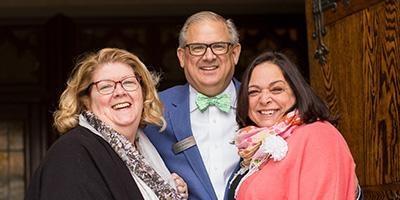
x=130, y=84
x=199, y=49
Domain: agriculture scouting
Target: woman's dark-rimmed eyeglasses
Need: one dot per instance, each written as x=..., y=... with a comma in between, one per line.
x=130, y=84
x=199, y=49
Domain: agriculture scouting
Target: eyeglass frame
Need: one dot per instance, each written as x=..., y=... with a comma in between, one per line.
x=136, y=76
x=229, y=44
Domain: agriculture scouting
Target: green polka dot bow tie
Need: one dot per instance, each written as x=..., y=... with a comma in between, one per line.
x=222, y=102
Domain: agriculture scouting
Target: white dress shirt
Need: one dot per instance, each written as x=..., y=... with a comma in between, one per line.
x=213, y=131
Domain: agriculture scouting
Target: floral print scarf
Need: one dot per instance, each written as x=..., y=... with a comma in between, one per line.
x=257, y=145
x=135, y=162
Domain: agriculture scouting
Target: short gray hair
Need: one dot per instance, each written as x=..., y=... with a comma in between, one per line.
x=208, y=15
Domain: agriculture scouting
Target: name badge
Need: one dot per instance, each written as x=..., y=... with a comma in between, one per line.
x=183, y=144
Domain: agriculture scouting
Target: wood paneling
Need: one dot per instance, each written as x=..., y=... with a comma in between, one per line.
x=361, y=83
x=344, y=9
x=382, y=89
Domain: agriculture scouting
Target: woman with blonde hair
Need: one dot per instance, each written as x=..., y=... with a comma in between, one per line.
x=103, y=153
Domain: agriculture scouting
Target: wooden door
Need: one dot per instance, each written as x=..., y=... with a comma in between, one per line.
x=354, y=56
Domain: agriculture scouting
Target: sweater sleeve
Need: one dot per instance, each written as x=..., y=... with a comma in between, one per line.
x=68, y=173
x=327, y=168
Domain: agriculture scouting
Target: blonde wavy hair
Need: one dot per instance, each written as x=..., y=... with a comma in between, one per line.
x=75, y=97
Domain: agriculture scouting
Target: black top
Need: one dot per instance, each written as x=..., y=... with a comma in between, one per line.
x=233, y=185
x=82, y=165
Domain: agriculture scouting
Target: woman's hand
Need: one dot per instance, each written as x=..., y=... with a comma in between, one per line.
x=181, y=186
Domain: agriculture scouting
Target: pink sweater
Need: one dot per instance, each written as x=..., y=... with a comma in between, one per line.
x=318, y=166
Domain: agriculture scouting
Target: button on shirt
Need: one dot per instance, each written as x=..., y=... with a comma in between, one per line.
x=213, y=131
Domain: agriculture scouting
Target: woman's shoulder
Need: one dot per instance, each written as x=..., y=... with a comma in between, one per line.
x=318, y=127
x=320, y=140
x=319, y=132
x=79, y=159
x=74, y=142
x=76, y=136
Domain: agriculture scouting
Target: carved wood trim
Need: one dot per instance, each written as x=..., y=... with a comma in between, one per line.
x=347, y=7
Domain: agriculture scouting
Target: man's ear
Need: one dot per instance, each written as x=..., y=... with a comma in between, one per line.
x=236, y=52
x=181, y=56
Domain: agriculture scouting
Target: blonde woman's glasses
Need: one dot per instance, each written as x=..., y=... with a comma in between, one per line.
x=130, y=84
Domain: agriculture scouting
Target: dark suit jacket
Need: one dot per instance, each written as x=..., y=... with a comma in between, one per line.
x=188, y=164
x=82, y=165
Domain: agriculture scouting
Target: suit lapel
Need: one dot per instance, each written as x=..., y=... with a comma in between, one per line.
x=180, y=120
x=237, y=84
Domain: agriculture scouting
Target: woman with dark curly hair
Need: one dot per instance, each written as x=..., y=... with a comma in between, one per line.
x=288, y=145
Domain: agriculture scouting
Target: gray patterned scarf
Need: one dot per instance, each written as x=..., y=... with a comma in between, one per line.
x=135, y=162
